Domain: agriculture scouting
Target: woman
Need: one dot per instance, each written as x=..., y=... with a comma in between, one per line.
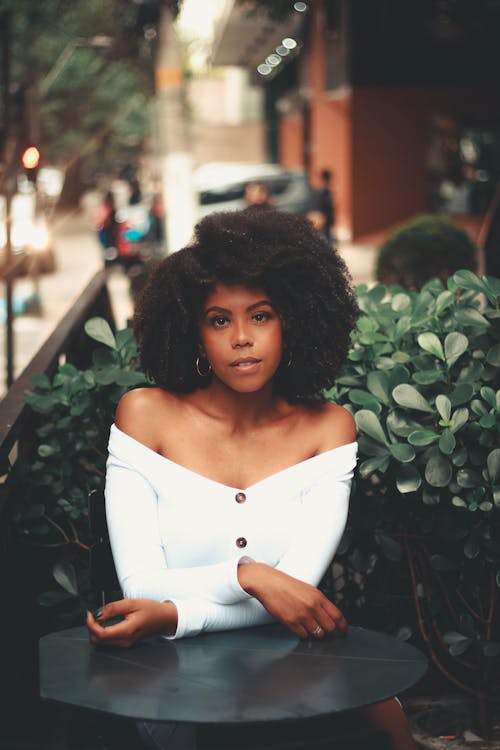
x=227, y=484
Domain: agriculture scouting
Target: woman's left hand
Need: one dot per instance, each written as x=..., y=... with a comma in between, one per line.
x=141, y=617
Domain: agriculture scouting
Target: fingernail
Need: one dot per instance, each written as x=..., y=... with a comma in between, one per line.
x=97, y=614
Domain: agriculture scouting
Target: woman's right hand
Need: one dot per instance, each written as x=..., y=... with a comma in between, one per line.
x=140, y=617
x=298, y=605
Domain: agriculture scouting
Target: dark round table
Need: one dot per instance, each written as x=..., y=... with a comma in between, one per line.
x=263, y=674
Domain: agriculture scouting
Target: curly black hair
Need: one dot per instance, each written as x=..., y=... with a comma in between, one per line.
x=280, y=253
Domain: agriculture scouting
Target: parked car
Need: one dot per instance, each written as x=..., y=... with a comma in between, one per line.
x=221, y=186
x=30, y=236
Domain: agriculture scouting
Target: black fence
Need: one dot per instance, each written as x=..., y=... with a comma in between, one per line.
x=23, y=719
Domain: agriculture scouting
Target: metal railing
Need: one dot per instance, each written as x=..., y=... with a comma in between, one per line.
x=21, y=714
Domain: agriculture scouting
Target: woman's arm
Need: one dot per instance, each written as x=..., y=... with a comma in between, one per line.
x=132, y=515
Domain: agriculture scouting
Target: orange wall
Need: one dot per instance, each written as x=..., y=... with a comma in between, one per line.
x=330, y=129
x=331, y=135
x=291, y=141
x=390, y=130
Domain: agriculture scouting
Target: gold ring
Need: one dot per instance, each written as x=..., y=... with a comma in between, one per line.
x=317, y=631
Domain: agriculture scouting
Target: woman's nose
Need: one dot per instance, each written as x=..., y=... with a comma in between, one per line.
x=241, y=335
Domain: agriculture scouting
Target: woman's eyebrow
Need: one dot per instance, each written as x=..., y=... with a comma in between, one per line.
x=216, y=308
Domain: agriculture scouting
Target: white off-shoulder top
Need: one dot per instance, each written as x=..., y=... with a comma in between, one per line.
x=177, y=535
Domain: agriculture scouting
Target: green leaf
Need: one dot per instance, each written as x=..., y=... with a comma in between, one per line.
x=459, y=418
x=408, y=396
x=468, y=478
x=442, y=564
x=104, y=357
x=65, y=575
x=471, y=548
x=462, y=394
x=493, y=356
x=377, y=383
x=456, y=649
x=368, y=423
x=402, y=452
x=399, y=423
x=469, y=317
x=447, y=442
x=129, y=378
x=377, y=463
x=458, y=502
x=40, y=381
x=444, y=300
x=407, y=478
x=493, y=466
x=100, y=330
x=455, y=344
x=44, y=451
x=400, y=302
x=422, y=437
x=491, y=648
x=404, y=633
x=467, y=280
x=489, y=395
x=427, y=377
x=438, y=470
x=487, y=421
x=391, y=548
x=443, y=406
x=431, y=343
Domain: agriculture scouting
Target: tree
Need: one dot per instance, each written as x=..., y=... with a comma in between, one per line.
x=96, y=107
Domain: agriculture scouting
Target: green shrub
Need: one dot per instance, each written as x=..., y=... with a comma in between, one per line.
x=51, y=484
x=427, y=247
x=421, y=553
x=422, y=550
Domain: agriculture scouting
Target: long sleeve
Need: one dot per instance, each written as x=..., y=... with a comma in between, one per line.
x=319, y=526
x=132, y=516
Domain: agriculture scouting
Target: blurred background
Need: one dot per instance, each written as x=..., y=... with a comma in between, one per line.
x=123, y=122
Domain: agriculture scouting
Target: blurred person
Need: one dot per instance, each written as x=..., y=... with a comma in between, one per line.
x=135, y=192
x=326, y=204
x=257, y=194
x=107, y=227
x=317, y=219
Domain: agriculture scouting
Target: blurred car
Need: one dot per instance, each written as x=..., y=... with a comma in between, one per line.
x=221, y=186
x=30, y=237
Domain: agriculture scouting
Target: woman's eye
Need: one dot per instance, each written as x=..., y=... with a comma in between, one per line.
x=218, y=321
x=261, y=317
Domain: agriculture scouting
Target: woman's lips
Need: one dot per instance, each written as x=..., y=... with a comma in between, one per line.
x=246, y=365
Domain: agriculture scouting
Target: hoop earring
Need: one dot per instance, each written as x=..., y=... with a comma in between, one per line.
x=200, y=373
x=290, y=360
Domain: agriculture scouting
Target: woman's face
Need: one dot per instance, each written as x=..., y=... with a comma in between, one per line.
x=241, y=336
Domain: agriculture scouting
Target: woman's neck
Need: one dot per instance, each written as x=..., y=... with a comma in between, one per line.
x=240, y=411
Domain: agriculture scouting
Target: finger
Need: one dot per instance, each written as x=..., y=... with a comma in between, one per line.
x=94, y=627
x=316, y=630
x=113, y=609
x=338, y=618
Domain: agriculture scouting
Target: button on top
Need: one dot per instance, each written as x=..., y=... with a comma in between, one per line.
x=240, y=497
x=241, y=542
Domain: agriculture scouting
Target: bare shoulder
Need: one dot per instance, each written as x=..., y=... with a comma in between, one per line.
x=334, y=425
x=141, y=412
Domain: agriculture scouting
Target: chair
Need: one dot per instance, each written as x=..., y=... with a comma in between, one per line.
x=102, y=567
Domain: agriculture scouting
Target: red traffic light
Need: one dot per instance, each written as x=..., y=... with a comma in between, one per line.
x=31, y=157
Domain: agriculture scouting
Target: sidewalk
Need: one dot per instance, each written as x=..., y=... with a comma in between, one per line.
x=78, y=259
